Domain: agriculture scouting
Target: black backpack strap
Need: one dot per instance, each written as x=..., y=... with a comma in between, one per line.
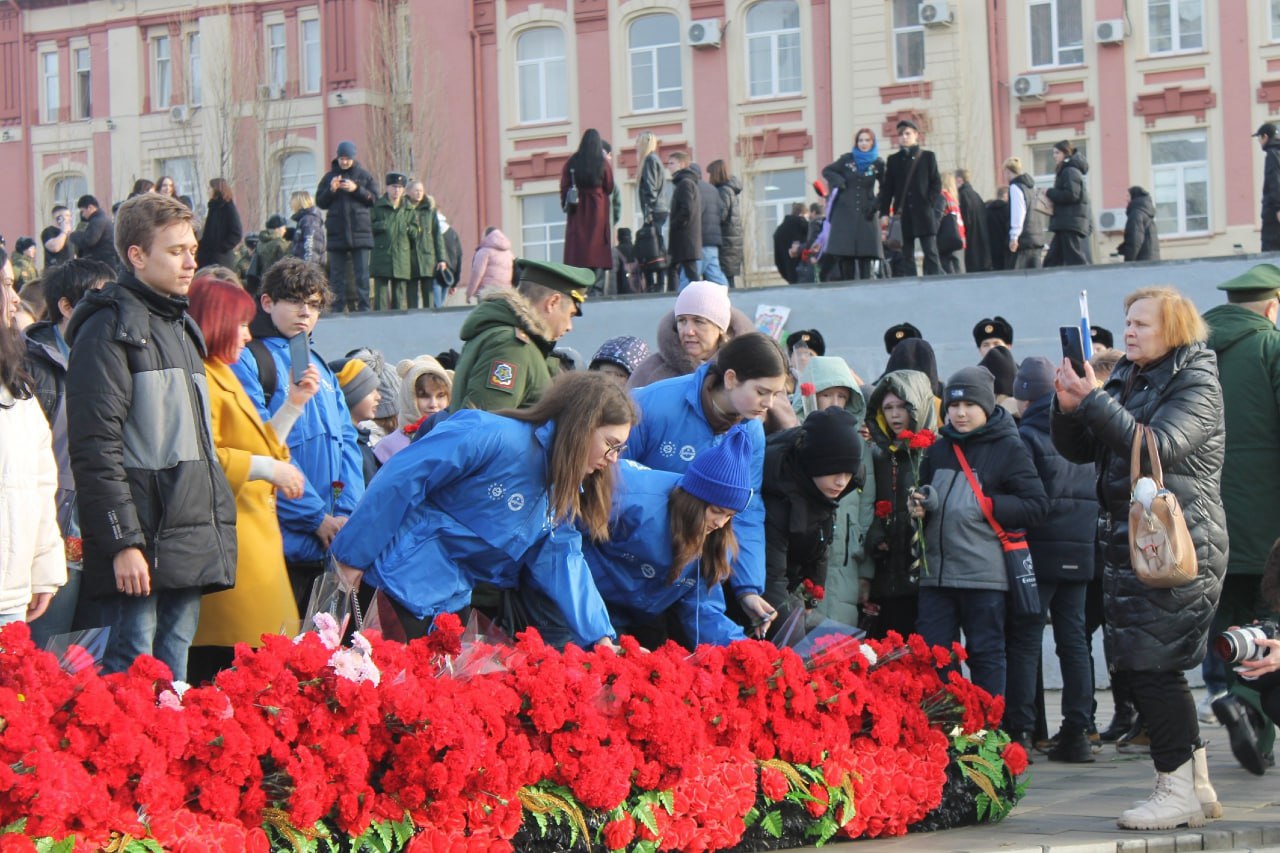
x=267, y=375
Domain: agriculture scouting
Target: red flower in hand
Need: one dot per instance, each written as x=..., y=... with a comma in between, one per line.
x=814, y=591
x=1015, y=758
x=884, y=509
x=906, y=435
x=921, y=440
x=807, y=389
x=74, y=547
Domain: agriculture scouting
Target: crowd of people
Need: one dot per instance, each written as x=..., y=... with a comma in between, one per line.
x=183, y=468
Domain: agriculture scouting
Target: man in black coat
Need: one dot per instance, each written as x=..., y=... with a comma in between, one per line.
x=911, y=188
x=1270, y=187
x=712, y=235
x=1141, y=240
x=348, y=191
x=685, y=234
x=96, y=236
x=977, y=249
x=997, y=216
x=788, y=239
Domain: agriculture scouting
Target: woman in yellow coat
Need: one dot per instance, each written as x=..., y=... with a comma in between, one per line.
x=256, y=461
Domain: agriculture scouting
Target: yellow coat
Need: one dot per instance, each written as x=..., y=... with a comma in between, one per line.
x=262, y=600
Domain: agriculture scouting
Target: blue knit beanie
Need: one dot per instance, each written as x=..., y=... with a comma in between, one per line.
x=626, y=351
x=721, y=475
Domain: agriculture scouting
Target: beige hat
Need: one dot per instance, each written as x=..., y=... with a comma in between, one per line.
x=410, y=369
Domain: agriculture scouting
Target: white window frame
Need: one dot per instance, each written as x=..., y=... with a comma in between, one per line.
x=542, y=240
x=907, y=30
x=81, y=95
x=765, y=224
x=1273, y=16
x=185, y=175
x=194, y=81
x=1055, y=45
x=277, y=56
x=1175, y=28
x=295, y=179
x=774, y=37
x=1179, y=171
x=542, y=65
x=311, y=68
x=1045, y=180
x=161, y=51
x=50, y=91
x=73, y=184
x=658, y=55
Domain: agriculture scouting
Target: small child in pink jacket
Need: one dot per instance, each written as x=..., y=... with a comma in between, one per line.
x=493, y=264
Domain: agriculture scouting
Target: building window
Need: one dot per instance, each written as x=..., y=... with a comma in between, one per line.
x=1057, y=33
x=1180, y=180
x=49, y=90
x=1043, y=169
x=541, y=76
x=194, y=83
x=542, y=227
x=277, y=69
x=1175, y=25
x=161, y=73
x=773, y=48
x=311, y=55
x=775, y=192
x=1275, y=20
x=67, y=190
x=908, y=40
x=656, y=75
x=297, y=172
x=183, y=172
x=82, y=90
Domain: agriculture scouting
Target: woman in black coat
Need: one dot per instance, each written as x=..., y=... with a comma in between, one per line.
x=1070, y=220
x=729, y=188
x=853, y=238
x=1168, y=381
x=222, y=229
x=1141, y=242
x=653, y=202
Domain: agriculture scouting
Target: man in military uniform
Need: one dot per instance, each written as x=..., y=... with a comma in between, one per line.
x=506, y=360
x=992, y=332
x=1244, y=336
x=895, y=335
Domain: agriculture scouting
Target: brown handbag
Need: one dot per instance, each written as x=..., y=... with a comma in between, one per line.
x=1160, y=547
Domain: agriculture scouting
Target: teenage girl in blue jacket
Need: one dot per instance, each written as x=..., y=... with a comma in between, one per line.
x=493, y=498
x=685, y=416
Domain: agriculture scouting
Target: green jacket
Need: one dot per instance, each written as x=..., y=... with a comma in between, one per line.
x=392, y=256
x=426, y=239
x=24, y=271
x=506, y=360
x=1248, y=349
x=270, y=249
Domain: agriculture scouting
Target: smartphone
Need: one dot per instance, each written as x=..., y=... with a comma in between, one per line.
x=300, y=357
x=1072, y=347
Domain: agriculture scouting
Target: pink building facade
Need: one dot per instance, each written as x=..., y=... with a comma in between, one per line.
x=486, y=99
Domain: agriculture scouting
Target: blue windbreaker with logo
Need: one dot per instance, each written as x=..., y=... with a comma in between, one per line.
x=631, y=568
x=469, y=503
x=672, y=432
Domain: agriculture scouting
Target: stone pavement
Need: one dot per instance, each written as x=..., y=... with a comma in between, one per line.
x=1072, y=808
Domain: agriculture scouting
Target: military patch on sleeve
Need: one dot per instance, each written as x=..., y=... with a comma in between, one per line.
x=502, y=375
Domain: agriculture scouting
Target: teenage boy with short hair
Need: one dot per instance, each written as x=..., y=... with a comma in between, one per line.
x=322, y=442
x=156, y=512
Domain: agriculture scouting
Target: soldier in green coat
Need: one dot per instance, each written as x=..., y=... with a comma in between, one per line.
x=506, y=360
x=271, y=247
x=1244, y=336
x=391, y=261
x=427, y=244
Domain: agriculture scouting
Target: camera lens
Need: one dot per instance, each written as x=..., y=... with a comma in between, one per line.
x=1224, y=646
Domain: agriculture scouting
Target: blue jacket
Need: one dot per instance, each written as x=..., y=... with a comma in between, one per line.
x=631, y=568
x=467, y=504
x=322, y=444
x=671, y=433
x=1063, y=544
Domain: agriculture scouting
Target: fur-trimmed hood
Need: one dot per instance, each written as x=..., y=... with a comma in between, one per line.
x=671, y=359
x=507, y=308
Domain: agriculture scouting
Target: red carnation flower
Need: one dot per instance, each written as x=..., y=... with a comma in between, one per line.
x=1015, y=758
x=773, y=783
x=338, y=488
x=906, y=435
x=817, y=807
x=884, y=509
x=74, y=549
x=619, y=833
x=807, y=389
x=922, y=440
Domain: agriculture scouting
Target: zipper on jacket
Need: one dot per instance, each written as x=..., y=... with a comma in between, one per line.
x=203, y=421
x=942, y=515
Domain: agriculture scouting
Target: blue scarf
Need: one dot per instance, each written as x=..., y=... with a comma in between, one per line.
x=864, y=159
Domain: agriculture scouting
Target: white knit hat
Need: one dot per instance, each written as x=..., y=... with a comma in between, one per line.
x=410, y=369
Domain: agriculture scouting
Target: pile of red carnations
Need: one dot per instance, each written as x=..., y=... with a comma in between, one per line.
x=458, y=746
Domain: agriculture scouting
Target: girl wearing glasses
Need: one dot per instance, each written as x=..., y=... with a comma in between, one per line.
x=494, y=498
x=688, y=415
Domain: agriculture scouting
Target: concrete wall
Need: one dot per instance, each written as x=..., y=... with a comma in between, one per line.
x=852, y=317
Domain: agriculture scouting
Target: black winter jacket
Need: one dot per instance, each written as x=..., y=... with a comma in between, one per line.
x=48, y=370
x=348, y=225
x=1070, y=197
x=711, y=214
x=730, y=227
x=685, y=234
x=1179, y=397
x=142, y=443
x=855, y=229
x=1062, y=546
x=918, y=217
x=222, y=232
x=97, y=240
x=1271, y=184
x=653, y=177
x=1141, y=242
x=308, y=236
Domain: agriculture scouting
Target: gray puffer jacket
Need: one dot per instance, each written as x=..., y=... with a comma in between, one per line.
x=1179, y=398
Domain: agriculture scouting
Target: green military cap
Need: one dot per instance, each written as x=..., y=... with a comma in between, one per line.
x=1255, y=285
x=574, y=282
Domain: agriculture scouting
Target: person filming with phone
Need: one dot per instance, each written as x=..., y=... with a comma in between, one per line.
x=1167, y=382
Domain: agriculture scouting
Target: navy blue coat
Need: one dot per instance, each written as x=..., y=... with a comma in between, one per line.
x=1062, y=546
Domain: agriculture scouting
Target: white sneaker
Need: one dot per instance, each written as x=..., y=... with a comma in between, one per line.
x=1204, y=708
x=1172, y=804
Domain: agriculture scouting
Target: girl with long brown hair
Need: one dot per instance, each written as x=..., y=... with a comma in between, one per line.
x=496, y=498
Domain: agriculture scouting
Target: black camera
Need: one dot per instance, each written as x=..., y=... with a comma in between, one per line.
x=1241, y=644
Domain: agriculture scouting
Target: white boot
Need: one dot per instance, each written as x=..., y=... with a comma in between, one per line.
x=1204, y=788
x=1172, y=804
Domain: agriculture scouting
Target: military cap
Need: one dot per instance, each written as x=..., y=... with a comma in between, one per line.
x=1253, y=285
x=992, y=327
x=397, y=179
x=895, y=334
x=562, y=278
x=1102, y=337
x=811, y=338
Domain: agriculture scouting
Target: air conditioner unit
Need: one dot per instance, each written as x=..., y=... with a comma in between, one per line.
x=1109, y=32
x=180, y=114
x=936, y=13
x=1028, y=86
x=704, y=33
x=1112, y=219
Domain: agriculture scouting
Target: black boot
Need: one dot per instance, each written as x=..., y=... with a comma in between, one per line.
x=1072, y=747
x=1120, y=723
x=1243, y=723
x=1137, y=739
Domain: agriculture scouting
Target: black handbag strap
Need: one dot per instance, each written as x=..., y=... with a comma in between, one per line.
x=977, y=490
